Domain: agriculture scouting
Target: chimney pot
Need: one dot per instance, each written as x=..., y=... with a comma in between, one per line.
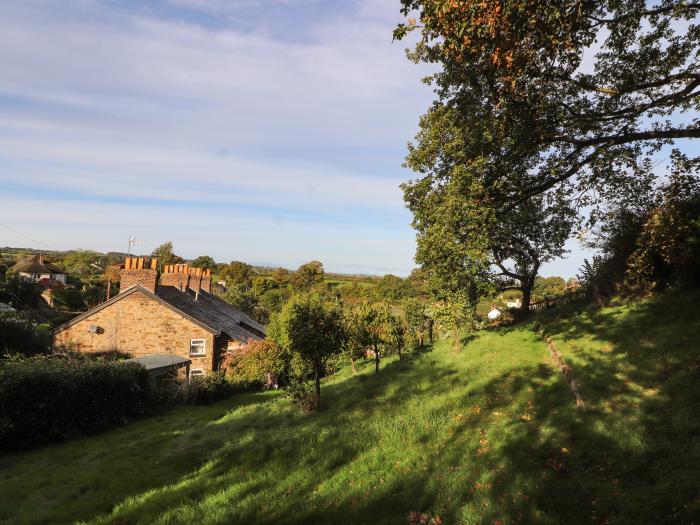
x=134, y=273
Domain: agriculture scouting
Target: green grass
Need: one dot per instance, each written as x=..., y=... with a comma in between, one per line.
x=489, y=435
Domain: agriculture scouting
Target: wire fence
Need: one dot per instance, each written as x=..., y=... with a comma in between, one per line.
x=552, y=302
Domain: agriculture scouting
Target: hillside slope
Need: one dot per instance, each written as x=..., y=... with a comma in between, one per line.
x=489, y=435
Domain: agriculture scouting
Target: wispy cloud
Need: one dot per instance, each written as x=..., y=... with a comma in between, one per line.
x=196, y=105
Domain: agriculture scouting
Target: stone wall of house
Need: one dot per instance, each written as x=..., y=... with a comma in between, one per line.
x=139, y=325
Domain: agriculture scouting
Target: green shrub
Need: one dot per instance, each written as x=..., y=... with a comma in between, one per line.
x=203, y=390
x=49, y=399
x=19, y=335
x=70, y=299
x=249, y=365
x=103, y=355
x=301, y=392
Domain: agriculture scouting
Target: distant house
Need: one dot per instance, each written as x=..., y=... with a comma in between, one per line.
x=494, y=314
x=172, y=314
x=34, y=269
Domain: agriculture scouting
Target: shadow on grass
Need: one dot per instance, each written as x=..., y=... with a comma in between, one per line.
x=630, y=457
x=265, y=453
x=431, y=434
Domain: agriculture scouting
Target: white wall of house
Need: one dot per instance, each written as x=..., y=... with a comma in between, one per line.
x=36, y=277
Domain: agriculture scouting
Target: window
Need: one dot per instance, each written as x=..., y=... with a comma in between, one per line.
x=197, y=347
x=196, y=372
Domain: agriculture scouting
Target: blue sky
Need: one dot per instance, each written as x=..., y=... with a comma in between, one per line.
x=268, y=131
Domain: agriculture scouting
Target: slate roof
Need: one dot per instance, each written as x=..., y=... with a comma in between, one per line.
x=214, y=312
x=204, y=309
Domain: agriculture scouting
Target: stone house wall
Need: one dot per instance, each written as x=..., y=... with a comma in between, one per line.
x=139, y=325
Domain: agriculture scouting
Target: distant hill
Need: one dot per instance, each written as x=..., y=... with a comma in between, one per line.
x=13, y=253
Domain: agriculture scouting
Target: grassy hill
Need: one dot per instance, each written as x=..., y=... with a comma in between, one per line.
x=489, y=435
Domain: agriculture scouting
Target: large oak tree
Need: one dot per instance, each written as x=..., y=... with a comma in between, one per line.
x=581, y=86
x=463, y=243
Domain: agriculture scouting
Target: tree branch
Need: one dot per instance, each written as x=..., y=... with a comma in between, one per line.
x=648, y=12
x=624, y=138
x=507, y=273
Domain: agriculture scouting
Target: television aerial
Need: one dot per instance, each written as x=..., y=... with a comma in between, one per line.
x=132, y=244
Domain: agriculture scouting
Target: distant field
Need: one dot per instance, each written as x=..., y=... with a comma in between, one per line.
x=488, y=435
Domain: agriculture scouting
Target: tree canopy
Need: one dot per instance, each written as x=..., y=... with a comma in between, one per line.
x=577, y=90
x=542, y=113
x=205, y=262
x=366, y=330
x=165, y=255
x=307, y=275
x=238, y=274
x=462, y=243
x=311, y=329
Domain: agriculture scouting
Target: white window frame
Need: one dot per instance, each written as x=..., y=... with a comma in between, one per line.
x=196, y=372
x=203, y=343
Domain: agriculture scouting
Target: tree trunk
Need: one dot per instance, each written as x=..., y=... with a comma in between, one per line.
x=525, y=305
x=317, y=380
x=430, y=331
x=352, y=364
x=421, y=341
x=376, y=360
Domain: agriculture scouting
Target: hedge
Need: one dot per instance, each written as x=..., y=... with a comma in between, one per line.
x=50, y=399
x=203, y=390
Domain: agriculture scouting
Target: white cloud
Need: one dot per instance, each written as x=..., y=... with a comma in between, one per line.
x=102, y=100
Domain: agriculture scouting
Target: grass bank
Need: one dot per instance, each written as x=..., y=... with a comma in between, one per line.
x=489, y=435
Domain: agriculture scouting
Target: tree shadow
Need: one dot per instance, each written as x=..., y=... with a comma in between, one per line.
x=631, y=455
x=505, y=447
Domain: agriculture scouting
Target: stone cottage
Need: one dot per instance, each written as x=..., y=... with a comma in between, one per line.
x=174, y=314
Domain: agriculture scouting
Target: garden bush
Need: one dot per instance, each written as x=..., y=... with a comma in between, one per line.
x=203, y=390
x=49, y=399
x=19, y=335
x=251, y=364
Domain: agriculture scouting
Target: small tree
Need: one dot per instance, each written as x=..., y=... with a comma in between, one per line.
x=393, y=288
x=312, y=331
x=356, y=346
x=83, y=263
x=454, y=315
x=240, y=298
x=394, y=335
x=416, y=317
x=165, y=255
x=238, y=274
x=367, y=330
x=307, y=275
x=281, y=276
x=257, y=362
x=205, y=262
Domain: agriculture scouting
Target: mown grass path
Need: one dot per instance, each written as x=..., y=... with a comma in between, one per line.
x=489, y=435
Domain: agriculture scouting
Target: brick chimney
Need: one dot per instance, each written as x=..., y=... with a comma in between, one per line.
x=206, y=281
x=196, y=279
x=176, y=275
x=182, y=277
x=138, y=270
